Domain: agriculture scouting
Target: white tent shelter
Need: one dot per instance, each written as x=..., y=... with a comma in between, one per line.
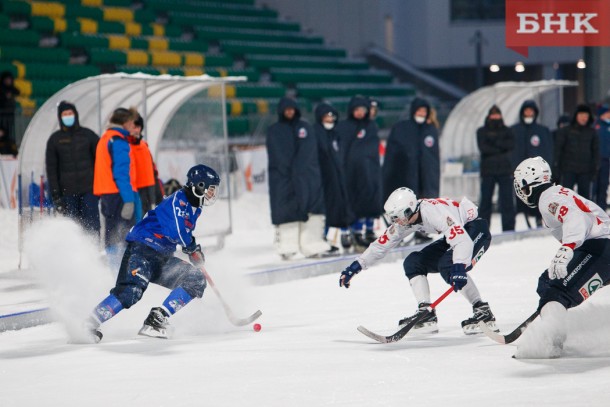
x=459, y=133
x=157, y=98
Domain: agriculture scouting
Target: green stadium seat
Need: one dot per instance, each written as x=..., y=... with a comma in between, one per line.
x=222, y=8
x=293, y=76
x=16, y=8
x=190, y=19
x=104, y=56
x=70, y=40
x=301, y=61
x=279, y=48
x=61, y=72
x=50, y=55
x=25, y=38
x=4, y=21
x=223, y=33
x=248, y=90
x=325, y=90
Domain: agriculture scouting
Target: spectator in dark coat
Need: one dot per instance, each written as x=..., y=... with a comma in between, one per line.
x=602, y=127
x=576, y=154
x=8, y=103
x=412, y=157
x=295, y=185
x=7, y=146
x=496, y=143
x=70, y=163
x=338, y=211
x=359, y=145
x=531, y=140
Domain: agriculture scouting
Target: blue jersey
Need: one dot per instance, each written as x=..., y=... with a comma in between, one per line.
x=169, y=224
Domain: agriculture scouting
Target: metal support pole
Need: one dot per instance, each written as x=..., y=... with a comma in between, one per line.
x=223, y=100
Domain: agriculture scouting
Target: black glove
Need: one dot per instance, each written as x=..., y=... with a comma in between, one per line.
x=348, y=273
x=458, y=276
x=195, y=254
x=59, y=205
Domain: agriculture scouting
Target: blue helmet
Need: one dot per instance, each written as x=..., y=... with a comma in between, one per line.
x=203, y=182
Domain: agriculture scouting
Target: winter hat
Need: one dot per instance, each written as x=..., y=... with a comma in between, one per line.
x=604, y=108
x=582, y=108
x=494, y=110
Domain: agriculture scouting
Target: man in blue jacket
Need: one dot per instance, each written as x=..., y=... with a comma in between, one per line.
x=149, y=257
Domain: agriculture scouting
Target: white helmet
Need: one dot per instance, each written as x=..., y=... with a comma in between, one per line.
x=401, y=204
x=529, y=174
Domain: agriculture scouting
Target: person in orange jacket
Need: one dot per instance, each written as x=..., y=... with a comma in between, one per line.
x=114, y=180
x=146, y=180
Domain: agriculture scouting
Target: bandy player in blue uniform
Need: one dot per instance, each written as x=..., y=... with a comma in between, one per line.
x=582, y=262
x=149, y=256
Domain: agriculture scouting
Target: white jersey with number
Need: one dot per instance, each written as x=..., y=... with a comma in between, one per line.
x=441, y=215
x=572, y=218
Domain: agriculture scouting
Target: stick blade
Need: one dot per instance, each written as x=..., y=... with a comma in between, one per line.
x=373, y=335
x=244, y=321
x=492, y=334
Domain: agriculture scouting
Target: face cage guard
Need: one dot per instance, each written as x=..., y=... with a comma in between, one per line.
x=207, y=196
x=523, y=192
x=406, y=214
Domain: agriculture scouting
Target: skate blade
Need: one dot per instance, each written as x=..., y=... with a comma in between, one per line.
x=474, y=329
x=153, y=333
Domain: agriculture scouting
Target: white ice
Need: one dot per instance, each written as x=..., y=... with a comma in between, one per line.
x=308, y=352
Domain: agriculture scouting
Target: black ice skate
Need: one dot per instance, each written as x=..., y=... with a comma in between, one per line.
x=369, y=237
x=360, y=243
x=428, y=325
x=346, y=241
x=421, y=237
x=156, y=324
x=482, y=312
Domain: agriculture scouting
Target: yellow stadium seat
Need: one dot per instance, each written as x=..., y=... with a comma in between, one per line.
x=59, y=25
x=158, y=44
x=119, y=42
x=133, y=29
x=236, y=108
x=87, y=26
x=194, y=59
x=25, y=87
x=118, y=14
x=48, y=9
x=92, y=3
x=136, y=57
x=21, y=71
x=193, y=71
x=262, y=106
x=158, y=30
x=165, y=58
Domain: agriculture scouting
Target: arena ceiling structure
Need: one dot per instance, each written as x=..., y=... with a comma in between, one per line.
x=458, y=138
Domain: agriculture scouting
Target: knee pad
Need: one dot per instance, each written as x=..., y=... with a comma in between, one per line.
x=412, y=265
x=128, y=295
x=193, y=282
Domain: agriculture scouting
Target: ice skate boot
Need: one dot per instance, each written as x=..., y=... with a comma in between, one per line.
x=156, y=324
x=421, y=238
x=482, y=312
x=92, y=330
x=346, y=241
x=360, y=243
x=369, y=237
x=427, y=325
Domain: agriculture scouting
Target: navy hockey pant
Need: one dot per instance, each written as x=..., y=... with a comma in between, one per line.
x=437, y=257
x=142, y=265
x=588, y=271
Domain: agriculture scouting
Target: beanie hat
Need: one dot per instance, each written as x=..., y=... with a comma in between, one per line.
x=494, y=110
x=604, y=108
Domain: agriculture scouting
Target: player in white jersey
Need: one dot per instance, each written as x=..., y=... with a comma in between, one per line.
x=465, y=239
x=582, y=263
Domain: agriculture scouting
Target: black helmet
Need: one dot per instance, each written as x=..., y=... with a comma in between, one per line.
x=203, y=182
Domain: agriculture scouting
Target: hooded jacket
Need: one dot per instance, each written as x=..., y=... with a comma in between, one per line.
x=577, y=147
x=295, y=185
x=359, y=145
x=531, y=140
x=336, y=201
x=70, y=157
x=412, y=157
x=496, y=143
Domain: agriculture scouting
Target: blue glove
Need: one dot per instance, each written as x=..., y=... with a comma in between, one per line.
x=348, y=273
x=458, y=276
x=195, y=254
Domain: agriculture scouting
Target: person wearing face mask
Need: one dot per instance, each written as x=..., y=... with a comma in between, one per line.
x=114, y=180
x=496, y=143
x=602, y=127
x=531, y=140
x=359, y=146
x=576, y=153
x=338, y=210
x=412, y=157
x=70, y=163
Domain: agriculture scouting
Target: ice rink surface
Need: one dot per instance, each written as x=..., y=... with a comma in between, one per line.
x=308, y=352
